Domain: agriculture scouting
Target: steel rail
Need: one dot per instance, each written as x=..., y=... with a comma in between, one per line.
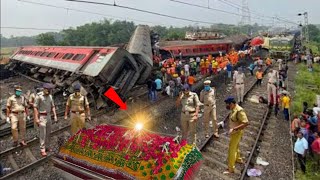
x=254, y=148
x=31, y=142
x=225, y=120
x=27, y=167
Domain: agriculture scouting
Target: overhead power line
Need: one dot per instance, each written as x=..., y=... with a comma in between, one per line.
x=30, y=28
x=85, y=11
x=258, y=16
x=232, y=4
x=141, y=10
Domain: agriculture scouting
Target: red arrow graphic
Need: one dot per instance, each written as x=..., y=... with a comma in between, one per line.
x=113, y=96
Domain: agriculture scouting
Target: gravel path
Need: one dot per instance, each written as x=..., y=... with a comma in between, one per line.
x=277, y=147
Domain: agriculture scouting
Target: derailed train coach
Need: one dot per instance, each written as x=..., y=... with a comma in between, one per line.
x=95, y=68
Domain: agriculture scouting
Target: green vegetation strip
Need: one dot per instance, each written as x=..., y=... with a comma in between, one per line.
x=307, y=86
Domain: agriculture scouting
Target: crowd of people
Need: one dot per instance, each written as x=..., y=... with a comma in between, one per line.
x=177, y=73
x=306, y=128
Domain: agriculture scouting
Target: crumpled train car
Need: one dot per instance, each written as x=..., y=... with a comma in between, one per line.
x=140, y=47
x=96, y=68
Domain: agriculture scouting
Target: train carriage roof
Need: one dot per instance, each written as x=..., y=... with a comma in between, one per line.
x=191, y=43
x=68, y=58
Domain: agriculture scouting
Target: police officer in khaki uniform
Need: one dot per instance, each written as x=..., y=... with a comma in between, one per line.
x=238, y=80
x=189, y=113
x=17, y=109
x=237, y=121
x=32, y=98
x=208, y=98
x=273, y=78
x=43, y=108
x=77, y=104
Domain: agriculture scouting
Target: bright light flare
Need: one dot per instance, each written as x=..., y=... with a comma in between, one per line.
x=138, y=126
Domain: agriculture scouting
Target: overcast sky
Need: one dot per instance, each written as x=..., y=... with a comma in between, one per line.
x=16, y=13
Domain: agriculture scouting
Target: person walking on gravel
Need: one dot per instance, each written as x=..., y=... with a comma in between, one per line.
x=237, y=121
x=17, y=109
x=208, y=98
x=43, y=107
x=238, y=79
x=189, y=113
x=32, y=97
x=78, y=106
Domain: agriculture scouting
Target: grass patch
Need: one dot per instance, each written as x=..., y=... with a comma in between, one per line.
x=307, y=86
x=313, y=173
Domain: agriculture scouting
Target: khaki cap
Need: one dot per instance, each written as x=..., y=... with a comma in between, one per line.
x=207, y=82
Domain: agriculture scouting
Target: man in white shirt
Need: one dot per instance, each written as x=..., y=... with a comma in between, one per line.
x=300, y=148
x=186, y=70
x=316, y=110
x=280, y=61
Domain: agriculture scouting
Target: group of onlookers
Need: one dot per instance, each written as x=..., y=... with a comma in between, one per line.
x=306, y=127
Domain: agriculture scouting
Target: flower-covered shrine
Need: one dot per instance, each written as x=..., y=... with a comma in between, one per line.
x=129, y=153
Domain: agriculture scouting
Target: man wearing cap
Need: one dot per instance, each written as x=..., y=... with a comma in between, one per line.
x=43, y=107
x=77, y=104
x=237, y=121
x=32, y=98
x=208, y=98
x=238, y=80
x=17, y=109
x=189, y=113
x=272, y=85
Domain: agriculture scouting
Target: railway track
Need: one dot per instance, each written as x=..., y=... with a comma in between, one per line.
x=215, y=151
x=34, y=160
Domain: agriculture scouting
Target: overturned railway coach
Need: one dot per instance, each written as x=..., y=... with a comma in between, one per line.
x=96, y=68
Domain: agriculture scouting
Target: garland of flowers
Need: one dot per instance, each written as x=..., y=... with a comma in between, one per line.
x=132, y=144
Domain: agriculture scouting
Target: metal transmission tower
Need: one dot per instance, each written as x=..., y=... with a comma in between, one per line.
x=306, y=30
x=245, y=16
x=245, y=12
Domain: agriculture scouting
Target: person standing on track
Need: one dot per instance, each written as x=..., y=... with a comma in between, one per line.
x=259, y=76
x=238, y=121
x=17, y=109
x=32, y=97
x=189, y=113
x=272, y=85
x=208, y=98
x=238, y=79
x=78, y=106
x=43, y=107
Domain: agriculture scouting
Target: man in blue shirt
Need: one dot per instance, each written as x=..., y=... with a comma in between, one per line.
x=300, y=148
x=251, y=68
x=229, y=69
x=159, y=84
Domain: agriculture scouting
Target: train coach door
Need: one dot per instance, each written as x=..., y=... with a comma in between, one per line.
x=83, y=67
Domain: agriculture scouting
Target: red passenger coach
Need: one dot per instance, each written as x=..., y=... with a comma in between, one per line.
x=95, y=68
x=196, y=48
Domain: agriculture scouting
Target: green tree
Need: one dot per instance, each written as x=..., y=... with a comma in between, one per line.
x=46, y=39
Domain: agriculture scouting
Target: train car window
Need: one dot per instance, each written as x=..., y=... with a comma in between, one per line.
x=67, y=56
x=44, y=54
x=38, y=53
x=201, y=50
x=188, y=50
x=58, y=55
x=51, y=54
x=78, y=57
